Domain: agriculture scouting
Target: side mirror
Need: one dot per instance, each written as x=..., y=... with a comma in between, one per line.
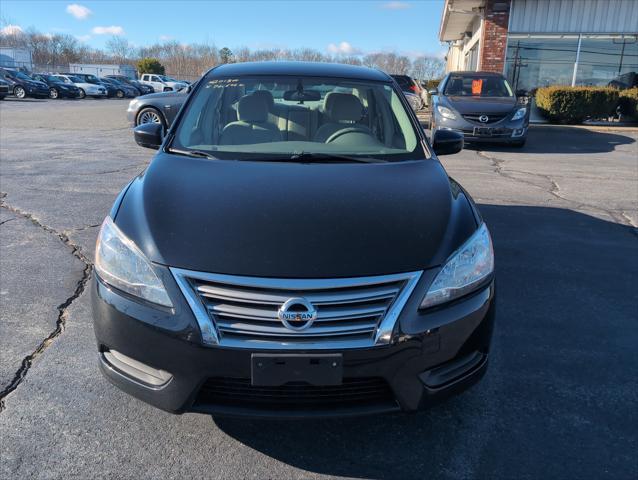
x=148, y=135
x=433, y=91
x=447, y=142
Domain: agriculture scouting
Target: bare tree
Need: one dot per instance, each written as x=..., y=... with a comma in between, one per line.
x=389, y=62
x=427, y=68
x=119, y=48
x=190, y=61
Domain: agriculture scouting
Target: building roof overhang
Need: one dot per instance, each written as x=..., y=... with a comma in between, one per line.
x=457, y=18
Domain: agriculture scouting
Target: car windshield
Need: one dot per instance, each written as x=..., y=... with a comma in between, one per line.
x=52, y=79
x=295, y=117
x=165, y=78
x=478, y=86
x=22, y=76
x=75, y=79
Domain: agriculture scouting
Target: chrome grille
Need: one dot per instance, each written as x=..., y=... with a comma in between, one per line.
x=491, y=118
x=242, y=311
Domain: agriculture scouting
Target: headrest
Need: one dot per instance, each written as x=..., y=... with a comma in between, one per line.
x=343, y=106
x=253, y=108
x=270, y=101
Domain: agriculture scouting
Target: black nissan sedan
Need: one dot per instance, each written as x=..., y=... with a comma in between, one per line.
x=482, y=106
x=294, y=249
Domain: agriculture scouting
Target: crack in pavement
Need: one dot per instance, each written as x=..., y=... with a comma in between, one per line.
x=81, y=229
x=62, y=308
x=554, y=189
x=7, y=220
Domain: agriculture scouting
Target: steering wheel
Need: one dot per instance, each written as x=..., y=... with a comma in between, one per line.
x=344, y=131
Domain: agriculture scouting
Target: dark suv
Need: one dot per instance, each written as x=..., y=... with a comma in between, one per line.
x=411, y=89
x=295, y=248
x=21, y=85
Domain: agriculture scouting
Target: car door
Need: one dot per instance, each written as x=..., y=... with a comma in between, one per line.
x=158, y=85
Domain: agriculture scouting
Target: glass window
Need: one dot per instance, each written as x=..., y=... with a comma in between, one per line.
x=476, y=85
x=541, y=61
x=471, y=58
x=274, y=117
x=606, y=59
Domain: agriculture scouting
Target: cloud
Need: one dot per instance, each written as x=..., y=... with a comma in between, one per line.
x=78, y=11
x=112, y=30
x=396, y=5
x=11, y=30
x=83, y=38
x=343, y=48
x=166, y=38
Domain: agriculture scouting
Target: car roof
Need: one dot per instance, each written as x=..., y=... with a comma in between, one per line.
x=480, y=72
x=310, y=69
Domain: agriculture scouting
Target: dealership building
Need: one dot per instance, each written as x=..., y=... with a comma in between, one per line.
x=536, y=43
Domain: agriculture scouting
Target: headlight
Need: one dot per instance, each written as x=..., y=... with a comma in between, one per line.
x=446, y=112
x=520, y=113
x=466, y=269
x=121, y=264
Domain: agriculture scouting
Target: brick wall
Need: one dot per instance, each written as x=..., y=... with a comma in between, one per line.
x=494, y=38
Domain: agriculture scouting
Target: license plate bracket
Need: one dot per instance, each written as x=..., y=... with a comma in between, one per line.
x=482, y=132
x=278, y=369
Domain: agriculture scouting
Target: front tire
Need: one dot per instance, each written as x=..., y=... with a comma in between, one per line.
x=19, y=92
x=119, y=94
x=53, y=93
x=82, y=93
x=150, y=115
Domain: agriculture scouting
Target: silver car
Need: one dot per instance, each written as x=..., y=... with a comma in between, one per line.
x=482, y=106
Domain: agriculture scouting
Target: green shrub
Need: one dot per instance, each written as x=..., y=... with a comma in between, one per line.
x=628, y=102
x=150, y=65
x=576, y=104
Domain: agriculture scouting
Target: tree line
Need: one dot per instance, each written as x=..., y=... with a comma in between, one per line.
x=191, y=60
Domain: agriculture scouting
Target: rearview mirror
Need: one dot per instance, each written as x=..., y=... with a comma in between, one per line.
x=447, y=142
x=148, y=135
x=302, y=96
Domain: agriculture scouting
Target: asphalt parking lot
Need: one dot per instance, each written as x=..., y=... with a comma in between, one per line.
x=559, y=399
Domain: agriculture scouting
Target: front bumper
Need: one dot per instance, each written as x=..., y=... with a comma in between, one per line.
x=504, y=131
x=435, y=354
x=131, y=114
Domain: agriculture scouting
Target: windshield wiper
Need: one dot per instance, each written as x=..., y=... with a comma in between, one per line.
x=329, y=156
x=192, y=153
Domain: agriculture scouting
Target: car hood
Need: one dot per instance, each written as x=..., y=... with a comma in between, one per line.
x=164, y=95
x=485, y=105
x=282, y=219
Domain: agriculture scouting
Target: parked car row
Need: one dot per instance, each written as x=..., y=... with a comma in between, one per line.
x=81, y=85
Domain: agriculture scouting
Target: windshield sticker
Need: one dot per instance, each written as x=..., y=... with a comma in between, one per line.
x=477, y=86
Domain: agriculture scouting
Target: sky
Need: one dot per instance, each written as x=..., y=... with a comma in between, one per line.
x=332, y=26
